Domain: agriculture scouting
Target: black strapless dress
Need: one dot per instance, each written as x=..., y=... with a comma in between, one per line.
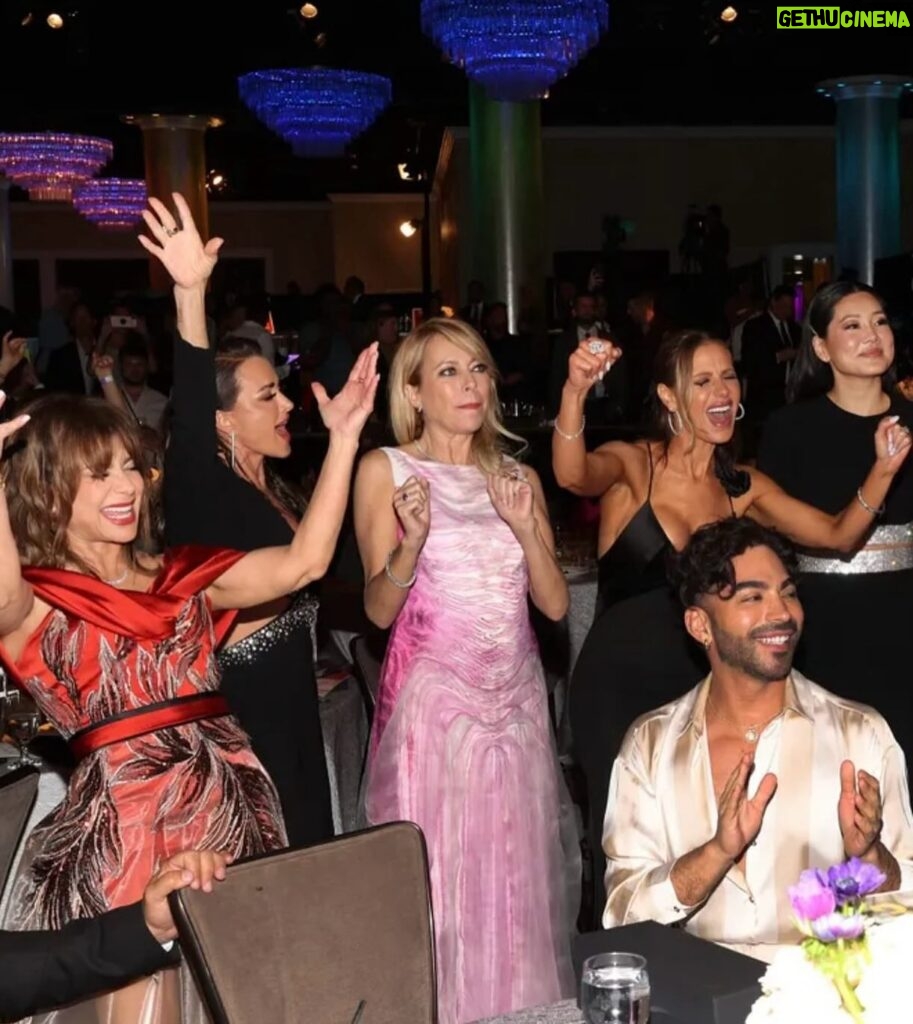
x=636, y=657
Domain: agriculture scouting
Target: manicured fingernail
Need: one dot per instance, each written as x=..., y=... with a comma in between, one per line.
x=893, y=419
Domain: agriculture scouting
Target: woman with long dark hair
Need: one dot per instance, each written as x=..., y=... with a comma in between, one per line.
x=816, y=448
x=654, y=494
x=230, y=420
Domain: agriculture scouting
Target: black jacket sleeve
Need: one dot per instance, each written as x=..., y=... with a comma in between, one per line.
x=40, y=970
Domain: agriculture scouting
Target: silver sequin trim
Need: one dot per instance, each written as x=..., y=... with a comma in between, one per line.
x=302, y=613
x=889, y=549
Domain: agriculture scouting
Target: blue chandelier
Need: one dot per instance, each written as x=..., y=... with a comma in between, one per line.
x=318, y=111
x=114, y=204
x=515, y=50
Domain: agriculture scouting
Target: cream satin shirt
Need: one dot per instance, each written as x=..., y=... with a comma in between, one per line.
x=662, y=805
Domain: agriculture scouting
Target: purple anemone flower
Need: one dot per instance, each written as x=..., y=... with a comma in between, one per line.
x=838, y=926
x=812, y=897
x=853, y=880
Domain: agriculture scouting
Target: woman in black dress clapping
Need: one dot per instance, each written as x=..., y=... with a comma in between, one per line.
x=856, y=639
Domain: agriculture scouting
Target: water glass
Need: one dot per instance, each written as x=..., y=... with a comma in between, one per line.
x=615, y=989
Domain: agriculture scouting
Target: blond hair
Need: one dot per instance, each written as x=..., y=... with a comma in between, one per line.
x=42, y=472
x=488, y=443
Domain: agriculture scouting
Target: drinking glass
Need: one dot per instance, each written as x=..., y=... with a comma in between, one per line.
x=22, y=721
x=615, y=989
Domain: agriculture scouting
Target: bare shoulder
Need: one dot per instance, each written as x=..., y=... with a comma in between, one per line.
x=374, y=466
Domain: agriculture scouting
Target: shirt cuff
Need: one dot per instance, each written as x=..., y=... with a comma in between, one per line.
x=654, y=900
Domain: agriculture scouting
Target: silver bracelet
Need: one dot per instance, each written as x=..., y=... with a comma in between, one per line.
x=106, y=380
x=388, y=572
x=570, y=437
x=871, y=511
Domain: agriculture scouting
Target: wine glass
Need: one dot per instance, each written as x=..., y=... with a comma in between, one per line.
x=22, y=721
x=615, y=989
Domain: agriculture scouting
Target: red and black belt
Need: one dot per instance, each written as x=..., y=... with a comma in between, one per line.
x=162, y=715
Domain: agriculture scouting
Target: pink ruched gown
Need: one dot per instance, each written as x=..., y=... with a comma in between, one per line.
x=462, y=746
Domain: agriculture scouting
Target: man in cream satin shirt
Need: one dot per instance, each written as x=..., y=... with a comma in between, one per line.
x=720, y=799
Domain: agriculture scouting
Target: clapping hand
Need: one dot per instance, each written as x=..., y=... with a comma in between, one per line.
x=412, y=505
x=892, y=443
x=348, y=412
x=858, y=810
x=739, y=819
x=512, y=498
x=590, y=362
x=180, y=249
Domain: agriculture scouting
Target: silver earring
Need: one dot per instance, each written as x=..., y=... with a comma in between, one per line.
x=232, y=450
x=673, y=418
x=740, y=413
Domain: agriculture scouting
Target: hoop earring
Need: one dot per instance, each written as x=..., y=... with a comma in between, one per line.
x=672, y=418
x=233, y=450
x=740, y=413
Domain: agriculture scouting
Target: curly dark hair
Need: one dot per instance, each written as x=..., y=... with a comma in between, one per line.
x=705, y=564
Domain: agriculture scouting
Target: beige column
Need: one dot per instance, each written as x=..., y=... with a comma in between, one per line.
x=175, y=154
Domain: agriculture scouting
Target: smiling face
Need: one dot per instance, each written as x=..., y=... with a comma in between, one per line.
x=107, y=503
x=708, y=398
x=259, y=415
x=455, y=387
x=859, y=341
x=755, y=627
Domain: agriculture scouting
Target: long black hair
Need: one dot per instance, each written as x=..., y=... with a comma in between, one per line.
x=811, y=376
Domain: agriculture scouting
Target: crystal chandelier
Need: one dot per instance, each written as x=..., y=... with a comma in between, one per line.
x=515, y=49
x=114, y=204
x=318, y=111
x=49, y=164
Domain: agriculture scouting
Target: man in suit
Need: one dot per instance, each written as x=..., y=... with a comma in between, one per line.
x=41, y=969
x=69, y=367
x=474, y=310
x=769, y=345
x=605, y=402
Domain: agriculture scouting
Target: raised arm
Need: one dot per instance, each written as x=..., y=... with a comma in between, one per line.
x=587, y=474
x=809, y=526
x=270, y=573
x=391, y=526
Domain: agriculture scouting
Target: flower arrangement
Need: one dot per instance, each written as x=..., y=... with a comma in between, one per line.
x=848, y=968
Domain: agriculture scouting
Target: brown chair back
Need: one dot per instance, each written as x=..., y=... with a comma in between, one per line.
x=18, y=789
x=307, y=935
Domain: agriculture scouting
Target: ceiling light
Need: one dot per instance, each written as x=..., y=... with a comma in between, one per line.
x=404, y=172
x=27, y=19
x=728, y=14
x=408, y=228
x=55, y=20
x=308, y=11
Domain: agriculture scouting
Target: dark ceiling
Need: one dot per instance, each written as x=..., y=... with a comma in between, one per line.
x=662, y=62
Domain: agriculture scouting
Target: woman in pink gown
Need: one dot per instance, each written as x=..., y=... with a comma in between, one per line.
x=454, y=537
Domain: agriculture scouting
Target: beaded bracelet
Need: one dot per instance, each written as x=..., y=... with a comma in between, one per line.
x=871, y=511
x=388, y=572
x=570, y=437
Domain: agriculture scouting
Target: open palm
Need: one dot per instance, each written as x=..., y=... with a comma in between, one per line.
x=180, y=249
x=347, y=413
x=740, y=819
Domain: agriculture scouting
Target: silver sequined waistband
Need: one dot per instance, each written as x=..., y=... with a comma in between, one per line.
x=301, y=614
x=888, y=549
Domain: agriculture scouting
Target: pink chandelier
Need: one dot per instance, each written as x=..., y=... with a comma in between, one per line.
x=114, y=204
x=48, y=165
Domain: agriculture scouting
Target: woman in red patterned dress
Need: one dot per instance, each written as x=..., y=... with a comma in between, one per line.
x=117, y=648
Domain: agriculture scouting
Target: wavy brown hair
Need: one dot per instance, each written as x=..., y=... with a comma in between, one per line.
x=45, y=464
